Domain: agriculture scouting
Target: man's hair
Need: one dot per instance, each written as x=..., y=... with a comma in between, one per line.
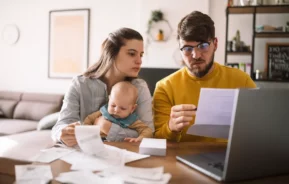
x=126, y=88
x=196, y=26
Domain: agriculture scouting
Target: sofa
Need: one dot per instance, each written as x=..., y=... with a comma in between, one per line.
x=26, y=120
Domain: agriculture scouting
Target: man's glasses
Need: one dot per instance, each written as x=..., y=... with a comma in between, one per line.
x=202, y=47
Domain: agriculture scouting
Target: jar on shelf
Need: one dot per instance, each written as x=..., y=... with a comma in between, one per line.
x=287, y=27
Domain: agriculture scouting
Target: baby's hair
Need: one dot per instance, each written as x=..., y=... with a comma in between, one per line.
x=127, y=88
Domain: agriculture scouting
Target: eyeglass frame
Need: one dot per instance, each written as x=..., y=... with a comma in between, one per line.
x=207, y=42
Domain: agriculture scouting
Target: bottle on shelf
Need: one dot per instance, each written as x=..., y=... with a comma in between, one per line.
x=257, y=74
x=160, y=36
x=230, y=3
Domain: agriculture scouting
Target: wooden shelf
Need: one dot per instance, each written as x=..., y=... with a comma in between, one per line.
x=255, y=11
x=239, y=53
x=273, y=9
x=272, y=35
x=258, y=9
x=240, y=9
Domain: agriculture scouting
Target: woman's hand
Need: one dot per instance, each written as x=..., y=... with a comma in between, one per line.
x=181, y=115
x=68, y=134
x=103, y=124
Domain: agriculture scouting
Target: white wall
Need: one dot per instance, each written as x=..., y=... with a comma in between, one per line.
x=166, y=54
x=218, y=14
x=24, y=66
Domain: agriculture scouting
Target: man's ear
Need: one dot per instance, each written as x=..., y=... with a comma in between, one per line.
x=133, y=108
x=215, y=43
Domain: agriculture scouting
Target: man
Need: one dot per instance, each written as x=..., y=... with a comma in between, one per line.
x=176, y=96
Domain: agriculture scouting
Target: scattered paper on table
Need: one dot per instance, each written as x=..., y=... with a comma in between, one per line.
x=49, y=155
x=87, y=177
x=33, y=173
x=142, y=173
x=138, y=175
x=110, y=156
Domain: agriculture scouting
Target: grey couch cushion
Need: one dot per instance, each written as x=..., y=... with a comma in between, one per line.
x=34, y=106
x=47, y=122
x=13, y=126
x=8, y=102
x=25, y=146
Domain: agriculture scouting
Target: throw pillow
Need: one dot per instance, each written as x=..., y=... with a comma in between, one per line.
x=47, y=122
x=1, y=113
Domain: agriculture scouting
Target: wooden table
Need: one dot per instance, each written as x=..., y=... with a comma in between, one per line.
x=181, y=173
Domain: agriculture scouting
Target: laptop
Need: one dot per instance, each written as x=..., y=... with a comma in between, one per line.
x=258, y=142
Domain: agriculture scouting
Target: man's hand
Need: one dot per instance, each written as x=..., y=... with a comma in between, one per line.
x=103, y=124
x=68, y=134
x=181, y=115
x=129, y=139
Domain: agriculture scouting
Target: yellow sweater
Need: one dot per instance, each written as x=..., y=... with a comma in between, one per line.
x=183, y=88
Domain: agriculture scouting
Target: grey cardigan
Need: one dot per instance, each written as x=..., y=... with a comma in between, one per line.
x=86, y=96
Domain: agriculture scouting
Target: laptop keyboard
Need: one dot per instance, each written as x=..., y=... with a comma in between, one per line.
x=217, y=165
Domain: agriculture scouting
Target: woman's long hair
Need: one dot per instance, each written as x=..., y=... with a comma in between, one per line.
x=110, y=49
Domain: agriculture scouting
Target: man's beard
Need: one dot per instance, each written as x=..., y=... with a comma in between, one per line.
x=201, y=73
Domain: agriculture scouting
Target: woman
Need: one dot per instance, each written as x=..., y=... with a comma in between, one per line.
x=120, y=60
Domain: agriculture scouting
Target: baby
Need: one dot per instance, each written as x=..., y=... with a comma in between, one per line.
x=120, y=110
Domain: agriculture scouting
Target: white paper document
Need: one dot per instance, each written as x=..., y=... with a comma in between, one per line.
x=215, y=112
x=137, y=175
x=164, y=180
x=88, y=139
x=142, y=173
x=87, y=177
x=49, y=155
x=33, y=173
x=111, y=156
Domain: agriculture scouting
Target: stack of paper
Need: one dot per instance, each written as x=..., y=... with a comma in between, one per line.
x=152, y=146
x=137, y=175
x=38, y=174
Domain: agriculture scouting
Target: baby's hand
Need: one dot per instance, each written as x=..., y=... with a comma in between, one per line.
x=129, y=139
x=104, y=125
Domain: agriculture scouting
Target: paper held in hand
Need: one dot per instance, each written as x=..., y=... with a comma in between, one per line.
x=215, y=112
x=89, y=140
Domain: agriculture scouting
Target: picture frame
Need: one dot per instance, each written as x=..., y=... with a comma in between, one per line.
x=68, y=47
x=277, y=61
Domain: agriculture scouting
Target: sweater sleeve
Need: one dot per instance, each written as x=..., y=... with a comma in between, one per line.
x=250, y=83
x=70, y=110
x=142, y=129
x=144, y=103
x=162, y=109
